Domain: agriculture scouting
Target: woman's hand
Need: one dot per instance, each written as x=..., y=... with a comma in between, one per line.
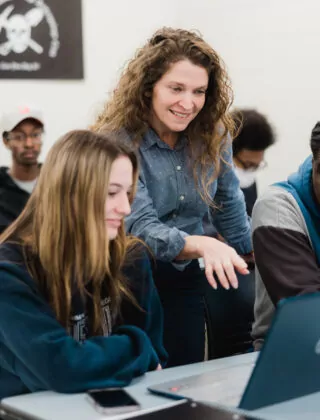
x=159, y=367
x=217, y=257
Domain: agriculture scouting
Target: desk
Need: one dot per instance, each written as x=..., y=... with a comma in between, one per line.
x=52, y=406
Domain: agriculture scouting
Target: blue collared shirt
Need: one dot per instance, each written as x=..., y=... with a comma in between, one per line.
x=168, y=207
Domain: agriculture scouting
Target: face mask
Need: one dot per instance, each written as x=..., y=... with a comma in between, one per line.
x=246, y=178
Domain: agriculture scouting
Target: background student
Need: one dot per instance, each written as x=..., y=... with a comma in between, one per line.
x=22, y=132
x=235, y=309
x=254, y=136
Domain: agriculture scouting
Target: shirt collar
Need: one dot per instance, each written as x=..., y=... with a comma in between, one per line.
x=151, y=138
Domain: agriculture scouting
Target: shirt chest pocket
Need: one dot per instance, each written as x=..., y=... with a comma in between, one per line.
x=164, y=193
x=163, y=183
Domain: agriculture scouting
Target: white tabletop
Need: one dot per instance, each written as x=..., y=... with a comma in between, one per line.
x=52, y=406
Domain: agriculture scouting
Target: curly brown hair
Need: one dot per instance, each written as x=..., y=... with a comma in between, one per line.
x=130, y=104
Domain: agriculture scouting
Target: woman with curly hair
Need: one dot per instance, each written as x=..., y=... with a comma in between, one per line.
x=172, y=101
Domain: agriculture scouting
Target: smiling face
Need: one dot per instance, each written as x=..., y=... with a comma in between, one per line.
x=120, y=186
x=178, y=97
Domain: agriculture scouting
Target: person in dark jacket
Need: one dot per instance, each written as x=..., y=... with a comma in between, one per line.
x=232, y=335
x=78, y=306
x=255, y=135
x=22, y=131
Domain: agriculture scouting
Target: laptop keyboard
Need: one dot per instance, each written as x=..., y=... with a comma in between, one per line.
x=224, y=386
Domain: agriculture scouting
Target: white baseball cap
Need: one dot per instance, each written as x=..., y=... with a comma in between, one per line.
x=11, y=118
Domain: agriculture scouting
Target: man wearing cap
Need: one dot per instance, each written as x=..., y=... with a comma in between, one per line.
x=22, y=131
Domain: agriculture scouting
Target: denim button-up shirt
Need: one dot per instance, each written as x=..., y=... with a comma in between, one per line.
x=168, y=207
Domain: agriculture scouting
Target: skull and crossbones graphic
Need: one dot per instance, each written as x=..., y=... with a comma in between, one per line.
x=18, y=30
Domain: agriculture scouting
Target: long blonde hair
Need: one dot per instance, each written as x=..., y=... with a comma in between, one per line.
x=62, y=229
x=130, y=104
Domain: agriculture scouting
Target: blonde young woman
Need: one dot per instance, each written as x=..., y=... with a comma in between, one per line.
x=78, y=307
x=172, y=100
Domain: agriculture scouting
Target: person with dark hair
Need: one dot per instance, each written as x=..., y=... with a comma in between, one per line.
x=22, y=133
x=286, y=238
x=173, y=101
x=255, y=135
x=78, y=306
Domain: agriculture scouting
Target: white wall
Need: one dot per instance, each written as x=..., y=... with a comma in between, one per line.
x=111, y=33
x=271, y=49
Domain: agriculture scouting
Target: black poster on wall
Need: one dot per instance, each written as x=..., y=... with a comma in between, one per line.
x=41, y=39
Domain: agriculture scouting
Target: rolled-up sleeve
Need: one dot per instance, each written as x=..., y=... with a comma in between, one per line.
x=230, y=216
x=164, y=241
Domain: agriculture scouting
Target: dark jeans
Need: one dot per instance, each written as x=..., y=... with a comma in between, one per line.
x=230, y=317
x=189, y=301
x=182, y=297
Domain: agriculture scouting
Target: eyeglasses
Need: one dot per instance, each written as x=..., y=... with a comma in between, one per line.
x=250, y=166
x=22, y=137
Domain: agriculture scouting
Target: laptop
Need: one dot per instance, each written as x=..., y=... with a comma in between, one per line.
x=287, y=367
